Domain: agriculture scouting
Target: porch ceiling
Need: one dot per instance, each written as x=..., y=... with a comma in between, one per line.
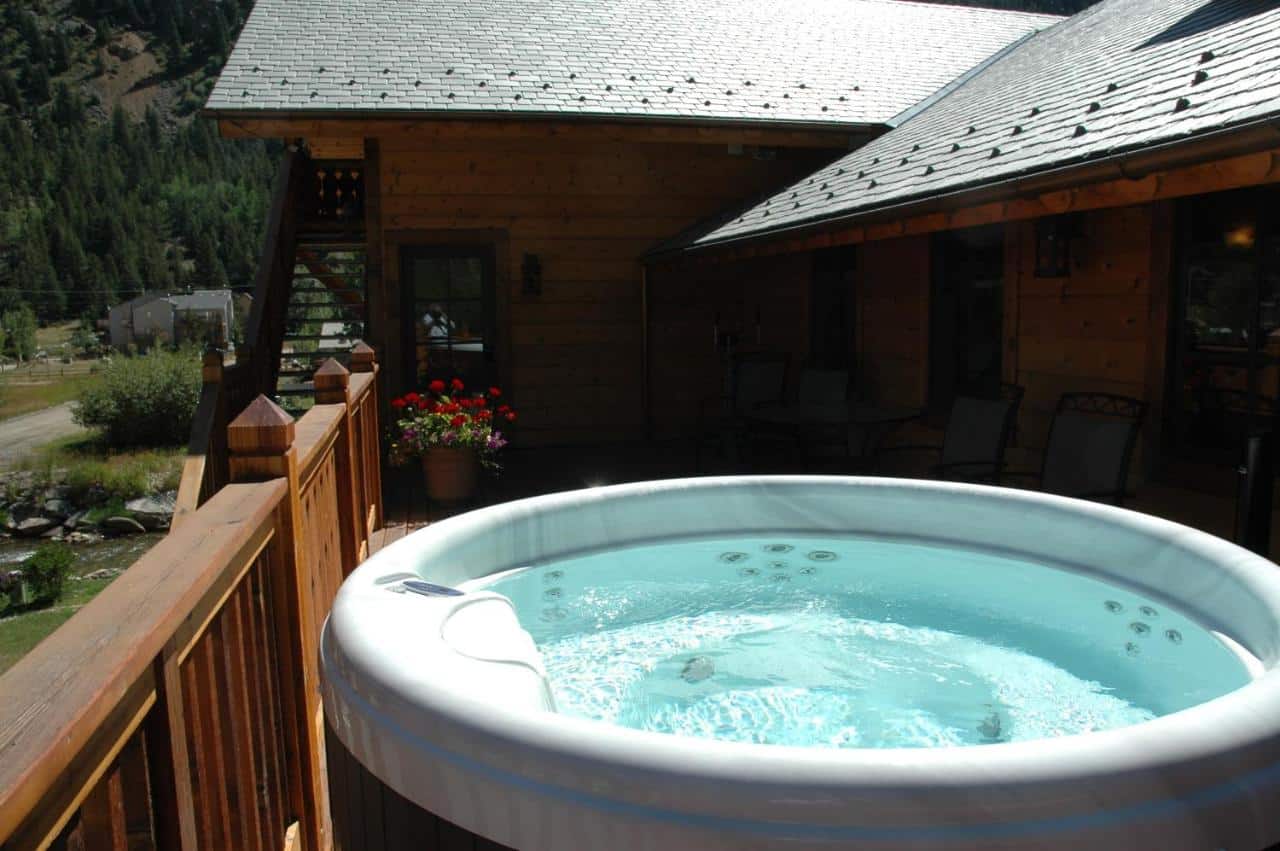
x=1123, y=76
x=830, y=62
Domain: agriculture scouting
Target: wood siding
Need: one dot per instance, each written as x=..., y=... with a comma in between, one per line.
x=892, y=298
x=1102, y=328
x=571, y=357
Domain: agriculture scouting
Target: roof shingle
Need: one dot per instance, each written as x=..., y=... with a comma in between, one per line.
x=835, y=62
x=1120, y=76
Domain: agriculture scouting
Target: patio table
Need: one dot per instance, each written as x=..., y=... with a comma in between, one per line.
x=862, y=425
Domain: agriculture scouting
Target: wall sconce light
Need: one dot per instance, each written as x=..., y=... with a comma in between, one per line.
x=1053, y=246
x=1242, y=236
x=531, y=275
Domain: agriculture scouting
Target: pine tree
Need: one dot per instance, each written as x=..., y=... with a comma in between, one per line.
x=67, y=109
x=219, y=40
x=9, y=93
x=60, y=51
x=38, y=83
x=29, y=28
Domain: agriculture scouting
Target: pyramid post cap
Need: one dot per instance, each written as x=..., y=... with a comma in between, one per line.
x=331, y=375
x=262, y=428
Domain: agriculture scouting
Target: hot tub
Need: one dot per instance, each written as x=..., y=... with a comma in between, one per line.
x=1103, y=678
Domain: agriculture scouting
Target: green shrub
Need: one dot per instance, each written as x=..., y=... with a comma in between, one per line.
x=148, y=400
x=121, y=477
x=45, y=571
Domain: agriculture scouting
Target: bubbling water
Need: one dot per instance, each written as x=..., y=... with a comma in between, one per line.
x=856, y=643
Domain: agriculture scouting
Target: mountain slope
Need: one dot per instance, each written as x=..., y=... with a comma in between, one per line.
x=112, y=186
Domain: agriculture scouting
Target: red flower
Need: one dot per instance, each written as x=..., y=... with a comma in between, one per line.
x=459, y=420
x=484, y=415
x=398, y=403
x=495, y=392
x=436, y=386
x=457, y=385
x=502, y=409
x=511, y=416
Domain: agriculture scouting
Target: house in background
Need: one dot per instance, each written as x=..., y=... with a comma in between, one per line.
x=202, y=316
x=141, y=321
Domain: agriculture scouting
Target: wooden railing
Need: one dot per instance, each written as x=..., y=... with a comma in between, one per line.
x=180, y=708
x=227, y=390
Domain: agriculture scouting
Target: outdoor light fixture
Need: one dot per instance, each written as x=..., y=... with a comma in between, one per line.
x=531, y=275
x=1241, y=236
x=1053, y=247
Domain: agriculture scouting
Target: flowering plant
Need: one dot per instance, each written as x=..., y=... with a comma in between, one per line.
x=447, y=416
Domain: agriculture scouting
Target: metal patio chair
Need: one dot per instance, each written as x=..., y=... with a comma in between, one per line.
x=977, y=435
x=756, y=380
x=1090, y=446
x=816, y=390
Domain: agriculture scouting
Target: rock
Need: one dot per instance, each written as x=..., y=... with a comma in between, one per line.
x=104, y=573
x=82, y=538
x=76, y=520
x=153, y=512
x=54, y=534
x=123, y=525
x=35, y=526
x=57, y=507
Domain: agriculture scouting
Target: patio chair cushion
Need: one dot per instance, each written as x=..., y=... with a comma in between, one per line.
x=1087, y=456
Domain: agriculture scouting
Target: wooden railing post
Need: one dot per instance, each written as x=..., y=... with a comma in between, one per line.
x=204, y=471
x=261, y=447
x=363, y=359
x=333, y=387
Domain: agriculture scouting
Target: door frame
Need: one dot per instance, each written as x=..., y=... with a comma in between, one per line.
x=391, y=306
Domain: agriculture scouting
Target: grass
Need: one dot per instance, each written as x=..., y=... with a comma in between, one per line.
x=19, y=633
x=53, y=336
x=24, y=397
x=96, y=475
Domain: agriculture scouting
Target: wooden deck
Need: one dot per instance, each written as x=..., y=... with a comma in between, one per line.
x=1204, y=499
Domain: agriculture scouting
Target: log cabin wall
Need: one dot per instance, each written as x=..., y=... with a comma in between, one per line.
x=892, y=320
x=571, y=356
x=1103, y=327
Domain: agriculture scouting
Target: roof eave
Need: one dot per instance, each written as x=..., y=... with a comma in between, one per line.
x=1248, y=137
x=833, y=127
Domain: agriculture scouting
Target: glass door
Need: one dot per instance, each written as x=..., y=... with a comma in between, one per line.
x=449, y=317
x=1226, y=376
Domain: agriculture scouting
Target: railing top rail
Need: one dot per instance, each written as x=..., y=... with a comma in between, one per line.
x=315, y=432
x=59, y=696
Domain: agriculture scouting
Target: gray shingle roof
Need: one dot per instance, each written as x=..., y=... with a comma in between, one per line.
x=1122, y=75
x=823, y=61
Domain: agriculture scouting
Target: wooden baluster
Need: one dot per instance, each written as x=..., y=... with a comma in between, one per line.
x=370, y=455
x=102, y=815
x=261, y=444
x=332, y=387
x=168, y=758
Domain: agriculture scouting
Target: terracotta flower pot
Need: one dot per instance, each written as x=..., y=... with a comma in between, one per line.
x=452, y=473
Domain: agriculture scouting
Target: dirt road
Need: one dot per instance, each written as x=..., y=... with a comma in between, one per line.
x=21, y=436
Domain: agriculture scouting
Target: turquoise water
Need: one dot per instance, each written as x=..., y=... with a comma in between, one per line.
x=856, y=643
